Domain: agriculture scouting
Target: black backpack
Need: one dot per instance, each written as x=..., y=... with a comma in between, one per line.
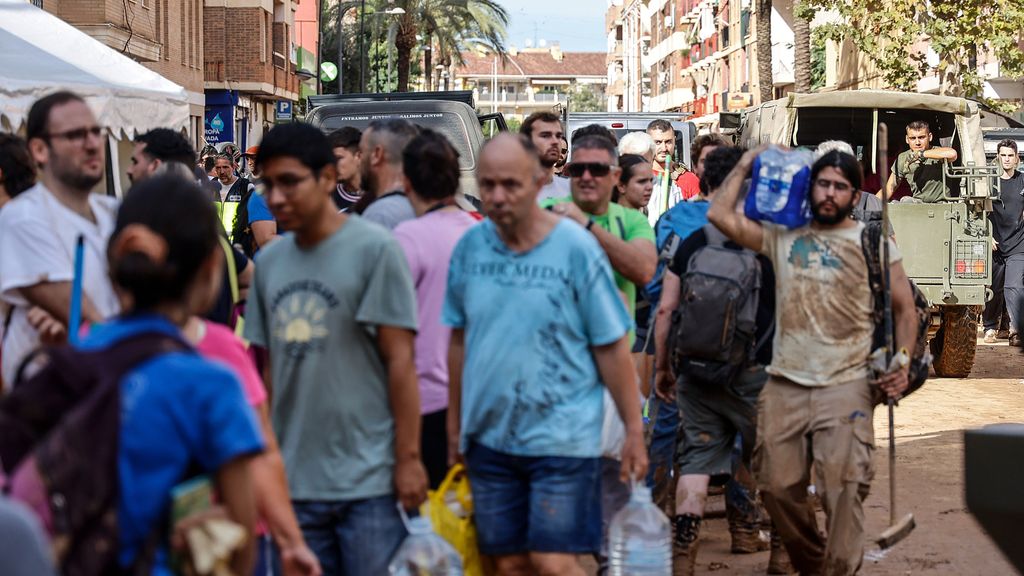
x=712, y=333
x=920, y=357
x=59, y=438
x=241, y=230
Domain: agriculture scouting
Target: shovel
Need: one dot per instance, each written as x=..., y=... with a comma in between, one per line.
x=899, y=528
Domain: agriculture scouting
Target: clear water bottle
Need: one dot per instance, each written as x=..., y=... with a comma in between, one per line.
x=779, y=185
x=424, y=553
x=640, y=538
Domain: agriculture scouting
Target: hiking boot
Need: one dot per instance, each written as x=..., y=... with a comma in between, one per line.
x=778, y=561
x=990, y=337
x=685, y=540
x=746, y=539
x=1003, y=334
x=1014, y=338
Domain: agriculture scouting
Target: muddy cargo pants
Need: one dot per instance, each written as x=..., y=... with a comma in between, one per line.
x=831, y=428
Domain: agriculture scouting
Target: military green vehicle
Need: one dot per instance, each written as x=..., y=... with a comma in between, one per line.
x=946, y=246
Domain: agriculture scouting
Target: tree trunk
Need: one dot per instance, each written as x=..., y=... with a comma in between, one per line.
x=764, y=50
x=405, y=41
x=428, y=64
x=802, y=52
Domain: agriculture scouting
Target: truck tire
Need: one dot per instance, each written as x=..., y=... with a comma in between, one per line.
x=953, y=346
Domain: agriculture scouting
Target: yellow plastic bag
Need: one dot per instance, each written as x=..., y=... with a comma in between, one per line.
x=450, y=509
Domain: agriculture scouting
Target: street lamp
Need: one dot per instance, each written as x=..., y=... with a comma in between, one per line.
x=396, y=11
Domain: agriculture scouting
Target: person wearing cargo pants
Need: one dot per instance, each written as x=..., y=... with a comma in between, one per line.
x=816, y=409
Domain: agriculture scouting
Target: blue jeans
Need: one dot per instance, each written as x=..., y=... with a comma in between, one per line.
x=534, y=503
x=352, y=537
x=661, y=475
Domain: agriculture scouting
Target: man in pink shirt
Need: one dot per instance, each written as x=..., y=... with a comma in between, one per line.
x=431, y=175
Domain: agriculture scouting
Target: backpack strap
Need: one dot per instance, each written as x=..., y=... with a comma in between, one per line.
x=871, y=242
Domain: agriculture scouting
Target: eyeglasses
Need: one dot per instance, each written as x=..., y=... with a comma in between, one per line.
x=596, y=169
x=78, y=134
x=839, y=186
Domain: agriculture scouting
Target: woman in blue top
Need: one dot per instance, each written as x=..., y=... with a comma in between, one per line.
x=179, y=411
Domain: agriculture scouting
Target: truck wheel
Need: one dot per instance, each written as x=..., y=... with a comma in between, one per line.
x=954, y=344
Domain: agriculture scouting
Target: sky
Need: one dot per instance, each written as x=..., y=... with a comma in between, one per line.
x=578, y=25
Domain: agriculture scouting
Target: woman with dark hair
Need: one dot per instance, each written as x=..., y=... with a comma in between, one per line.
x=17, y=172
x=178, y=410
x=636, y=182
x=431, y=172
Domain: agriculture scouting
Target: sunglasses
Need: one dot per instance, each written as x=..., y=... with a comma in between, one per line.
x=596, y=169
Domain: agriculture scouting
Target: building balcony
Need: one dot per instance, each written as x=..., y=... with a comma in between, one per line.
x=615, y=53
x=521, y=99
x=613, y=17
x=616, y=88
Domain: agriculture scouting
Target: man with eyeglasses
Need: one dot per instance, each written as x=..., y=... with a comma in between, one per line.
x=40, y=228
x=817, y=405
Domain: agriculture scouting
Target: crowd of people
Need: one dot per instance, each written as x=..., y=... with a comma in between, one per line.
x=323, y=331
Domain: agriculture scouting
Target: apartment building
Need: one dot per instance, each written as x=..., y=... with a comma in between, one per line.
x=250, y=66
x=530, y=80
x=628, y=25
x=166, y=36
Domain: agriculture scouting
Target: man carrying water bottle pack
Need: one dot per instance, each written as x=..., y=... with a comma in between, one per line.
x=816, y=409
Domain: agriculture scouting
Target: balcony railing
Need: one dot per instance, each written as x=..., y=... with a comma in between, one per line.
x=521, y=98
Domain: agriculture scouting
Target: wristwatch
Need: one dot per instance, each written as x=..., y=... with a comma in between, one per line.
x=590, y=224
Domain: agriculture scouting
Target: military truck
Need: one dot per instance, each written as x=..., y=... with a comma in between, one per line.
x=946, y=246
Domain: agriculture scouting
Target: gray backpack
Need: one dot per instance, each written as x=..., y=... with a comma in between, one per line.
x=712, y=332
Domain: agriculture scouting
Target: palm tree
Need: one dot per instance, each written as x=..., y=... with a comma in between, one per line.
x=802, y=16
x=455, y=25
x=764, y=50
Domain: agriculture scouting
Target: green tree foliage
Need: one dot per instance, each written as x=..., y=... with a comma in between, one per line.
x=959, y=31
x=586, y=99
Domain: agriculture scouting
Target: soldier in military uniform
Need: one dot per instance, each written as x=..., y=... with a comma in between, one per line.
x=921, y=166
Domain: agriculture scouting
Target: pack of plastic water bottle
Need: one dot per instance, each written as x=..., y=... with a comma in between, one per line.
x=424, y=553
x=779, y=186
x=640, y=538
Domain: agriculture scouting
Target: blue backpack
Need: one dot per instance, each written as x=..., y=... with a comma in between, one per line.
x=672, y=228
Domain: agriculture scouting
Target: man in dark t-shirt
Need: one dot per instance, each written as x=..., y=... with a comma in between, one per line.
x=1007, y=219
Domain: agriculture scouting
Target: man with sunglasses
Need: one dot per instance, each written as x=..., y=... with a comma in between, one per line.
x=40, y=228
x=816, y=407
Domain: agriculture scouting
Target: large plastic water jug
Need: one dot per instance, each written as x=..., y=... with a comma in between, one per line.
x=424, y=553
x=640, y=538
x=779, y=186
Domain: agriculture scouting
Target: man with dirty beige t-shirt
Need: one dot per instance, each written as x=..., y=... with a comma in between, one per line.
x=816, y=408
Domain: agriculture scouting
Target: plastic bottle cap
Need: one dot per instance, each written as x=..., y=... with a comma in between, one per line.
x=419, y=525
x=641, y=493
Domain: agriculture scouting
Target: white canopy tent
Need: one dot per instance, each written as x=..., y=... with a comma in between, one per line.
x=40, y=53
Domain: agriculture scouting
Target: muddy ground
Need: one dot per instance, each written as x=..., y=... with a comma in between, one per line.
x=929, y=448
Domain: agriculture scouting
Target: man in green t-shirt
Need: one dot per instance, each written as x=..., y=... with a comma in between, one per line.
x=623, y=233
x=921, y=166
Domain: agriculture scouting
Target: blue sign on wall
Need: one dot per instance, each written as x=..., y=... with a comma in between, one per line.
x=220, y=124
x=283, y=111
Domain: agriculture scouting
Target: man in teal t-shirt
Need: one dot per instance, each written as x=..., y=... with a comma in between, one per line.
x=623, y=233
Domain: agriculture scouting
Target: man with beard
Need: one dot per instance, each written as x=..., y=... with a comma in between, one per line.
x=816, y=408
x=39, y=229
x=380, y=156
x=544, y=129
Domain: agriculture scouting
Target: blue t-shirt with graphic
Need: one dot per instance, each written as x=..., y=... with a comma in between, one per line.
x=530, y=385
x=177, y=409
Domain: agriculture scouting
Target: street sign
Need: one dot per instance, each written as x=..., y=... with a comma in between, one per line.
x=328, y=71
x=283, y=111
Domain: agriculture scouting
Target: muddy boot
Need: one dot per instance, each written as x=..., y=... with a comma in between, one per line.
x=778, y=561
x=686, y=538
x=745, y=530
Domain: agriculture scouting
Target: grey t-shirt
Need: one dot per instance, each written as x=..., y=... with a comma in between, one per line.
x=317, y=310
x=390, y=210
x=24, y=550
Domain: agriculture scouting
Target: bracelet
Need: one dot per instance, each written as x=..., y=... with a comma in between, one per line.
x=590, y=224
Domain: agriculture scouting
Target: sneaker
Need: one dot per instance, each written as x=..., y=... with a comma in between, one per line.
x=990, y=337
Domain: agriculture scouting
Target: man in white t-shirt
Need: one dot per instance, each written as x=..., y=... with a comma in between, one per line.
x=39, y=229
x=544, y=129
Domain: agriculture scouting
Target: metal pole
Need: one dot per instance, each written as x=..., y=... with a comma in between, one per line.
x=341, y=50
x=319, y=44
x=388, y=80
x=362, y=52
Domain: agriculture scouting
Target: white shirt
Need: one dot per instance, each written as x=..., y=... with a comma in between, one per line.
x=557, y=188
x=37, y=244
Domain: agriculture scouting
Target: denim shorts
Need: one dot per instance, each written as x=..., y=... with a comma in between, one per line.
x=535, y=504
